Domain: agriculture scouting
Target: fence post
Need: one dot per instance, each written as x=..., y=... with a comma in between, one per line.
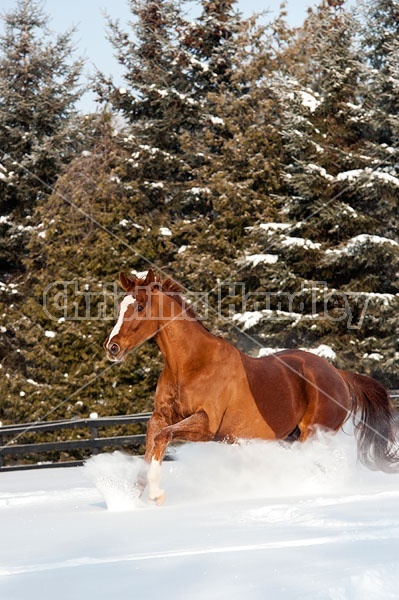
x=94, y=431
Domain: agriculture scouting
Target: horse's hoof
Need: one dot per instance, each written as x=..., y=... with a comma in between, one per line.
x=158, y=500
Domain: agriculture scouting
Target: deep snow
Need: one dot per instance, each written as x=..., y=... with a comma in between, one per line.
x=254, y=521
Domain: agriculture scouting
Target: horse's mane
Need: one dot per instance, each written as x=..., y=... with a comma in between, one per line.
x=174, y=291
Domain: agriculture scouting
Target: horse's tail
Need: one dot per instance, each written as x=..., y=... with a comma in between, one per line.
x=374, y=422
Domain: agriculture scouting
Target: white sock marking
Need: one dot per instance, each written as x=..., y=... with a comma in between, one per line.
x=154, y=476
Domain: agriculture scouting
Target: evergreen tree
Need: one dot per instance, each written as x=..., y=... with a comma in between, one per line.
x=181, y=81
x=38, y=136
x=238, y=143
x=380, y=41
x=156, y=103
x=85, y=233
x=336, y=285
x=38, y=90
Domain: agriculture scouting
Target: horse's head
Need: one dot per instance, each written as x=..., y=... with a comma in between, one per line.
x=138, y=316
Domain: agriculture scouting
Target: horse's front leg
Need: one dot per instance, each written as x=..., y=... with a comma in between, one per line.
x=156, y=423
x=192, y=429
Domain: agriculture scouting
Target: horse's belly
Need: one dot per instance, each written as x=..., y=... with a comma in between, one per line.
x=248, y=424
x=277, y=391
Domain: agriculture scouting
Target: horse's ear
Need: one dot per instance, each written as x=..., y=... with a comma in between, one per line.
x=150, y=278
x=127, y=284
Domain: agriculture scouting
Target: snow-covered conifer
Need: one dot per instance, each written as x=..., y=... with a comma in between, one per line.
x=38, y=91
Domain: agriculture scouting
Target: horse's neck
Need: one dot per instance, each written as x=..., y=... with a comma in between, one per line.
x=183, y=342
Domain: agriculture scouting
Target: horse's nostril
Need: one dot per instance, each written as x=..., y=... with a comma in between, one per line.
x=114, y=349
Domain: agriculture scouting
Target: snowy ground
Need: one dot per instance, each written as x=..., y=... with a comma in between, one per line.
x=256, y=521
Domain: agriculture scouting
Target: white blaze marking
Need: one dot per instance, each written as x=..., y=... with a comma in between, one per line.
x=126, y=302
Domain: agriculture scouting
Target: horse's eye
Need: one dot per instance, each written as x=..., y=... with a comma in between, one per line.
x=140, y=308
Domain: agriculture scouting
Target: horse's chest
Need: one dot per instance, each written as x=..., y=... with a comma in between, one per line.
x=183, y=404
x=185, y=401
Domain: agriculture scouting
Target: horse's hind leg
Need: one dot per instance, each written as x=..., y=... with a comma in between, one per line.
x=294, y=435
x=312, y=417
x=325, y=409
x=306, y=427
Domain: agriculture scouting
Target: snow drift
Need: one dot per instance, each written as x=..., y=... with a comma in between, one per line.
x=252, y=520
x=325, y=464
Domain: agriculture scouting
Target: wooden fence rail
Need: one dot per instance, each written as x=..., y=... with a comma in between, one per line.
x=11, y=435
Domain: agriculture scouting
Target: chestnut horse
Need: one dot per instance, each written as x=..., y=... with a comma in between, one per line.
x=209, y=390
